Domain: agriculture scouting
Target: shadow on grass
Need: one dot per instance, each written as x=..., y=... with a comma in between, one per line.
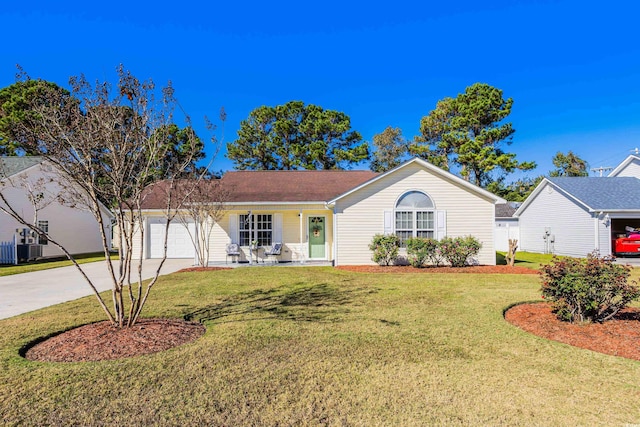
x=315, y=303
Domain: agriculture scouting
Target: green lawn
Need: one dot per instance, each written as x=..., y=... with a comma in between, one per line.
x=320, y=346
x=46, y=264
x=525, y=259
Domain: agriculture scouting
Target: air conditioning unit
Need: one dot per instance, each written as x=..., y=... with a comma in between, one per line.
x=28, y=253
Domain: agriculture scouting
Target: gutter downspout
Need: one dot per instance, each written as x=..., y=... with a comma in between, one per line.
x=596, y=234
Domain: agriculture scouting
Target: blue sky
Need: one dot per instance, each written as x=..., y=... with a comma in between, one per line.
x=572, y=67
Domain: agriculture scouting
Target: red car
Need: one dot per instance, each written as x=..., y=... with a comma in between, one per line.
x=629, y=245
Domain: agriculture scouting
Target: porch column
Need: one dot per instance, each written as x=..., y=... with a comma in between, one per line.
x=301, y=238
x=250, y=236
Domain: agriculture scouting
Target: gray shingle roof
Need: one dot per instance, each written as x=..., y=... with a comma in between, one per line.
x=506, y=210
x=12, y=165
x=605, y=194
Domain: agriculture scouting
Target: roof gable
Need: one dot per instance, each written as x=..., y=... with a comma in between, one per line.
x=625, y=163
x=594, y=193
x=436, y=171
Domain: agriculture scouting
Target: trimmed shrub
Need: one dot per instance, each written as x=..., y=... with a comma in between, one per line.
x=385, y=248
x=458, y=251
x=591, y=289
x=420, y=249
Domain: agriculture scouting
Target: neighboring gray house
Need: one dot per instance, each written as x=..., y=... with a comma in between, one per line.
x=575, y=216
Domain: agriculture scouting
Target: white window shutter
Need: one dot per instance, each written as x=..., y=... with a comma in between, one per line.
x=441, y=224
x=277, y=228
x=388, y=222
x=233, y=228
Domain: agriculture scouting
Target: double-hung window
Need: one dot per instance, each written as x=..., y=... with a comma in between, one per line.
x=44, y=226
x=414, y=216
x=256, y=228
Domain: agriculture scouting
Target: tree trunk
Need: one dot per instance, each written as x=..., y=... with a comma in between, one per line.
x=511, y=255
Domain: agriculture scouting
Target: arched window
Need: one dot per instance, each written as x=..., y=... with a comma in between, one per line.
x=414, y=216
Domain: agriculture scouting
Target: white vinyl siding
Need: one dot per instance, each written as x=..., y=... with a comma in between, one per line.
x=571, y=225
x=361, y=214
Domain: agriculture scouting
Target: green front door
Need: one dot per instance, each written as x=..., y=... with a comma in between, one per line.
x=317, y=237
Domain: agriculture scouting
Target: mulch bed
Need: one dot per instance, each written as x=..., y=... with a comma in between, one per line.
x=481, y=269
x=102, y=341
x=618, y=337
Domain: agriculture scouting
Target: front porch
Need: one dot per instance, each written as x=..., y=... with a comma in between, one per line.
x=305, y=232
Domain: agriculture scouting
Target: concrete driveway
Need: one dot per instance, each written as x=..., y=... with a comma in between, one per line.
x=21, y=293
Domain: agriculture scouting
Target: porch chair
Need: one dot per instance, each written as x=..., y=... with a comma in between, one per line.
x=233, y=250
x=274, y=251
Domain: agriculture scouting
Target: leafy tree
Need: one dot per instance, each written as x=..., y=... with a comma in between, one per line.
x=516, y=191
x=18, y=105
x=183, y=147
x=15, y=102
x=328, y=140
x=390, y=147
x=467, y=131
x=437, y=142
x=252, y=149
x=569, y=165
x=112, y=144
x=296, y=136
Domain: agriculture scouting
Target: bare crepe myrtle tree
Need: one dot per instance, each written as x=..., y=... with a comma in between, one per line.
x=108, y=145
x=204, y=206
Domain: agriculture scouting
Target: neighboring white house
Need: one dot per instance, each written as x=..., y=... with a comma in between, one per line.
x=332, y=215
x=26, y=181
x=575, y=216
x=507, y=226
x=629, y=167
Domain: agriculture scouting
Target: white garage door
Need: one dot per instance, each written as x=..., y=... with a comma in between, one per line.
x=179, y=243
